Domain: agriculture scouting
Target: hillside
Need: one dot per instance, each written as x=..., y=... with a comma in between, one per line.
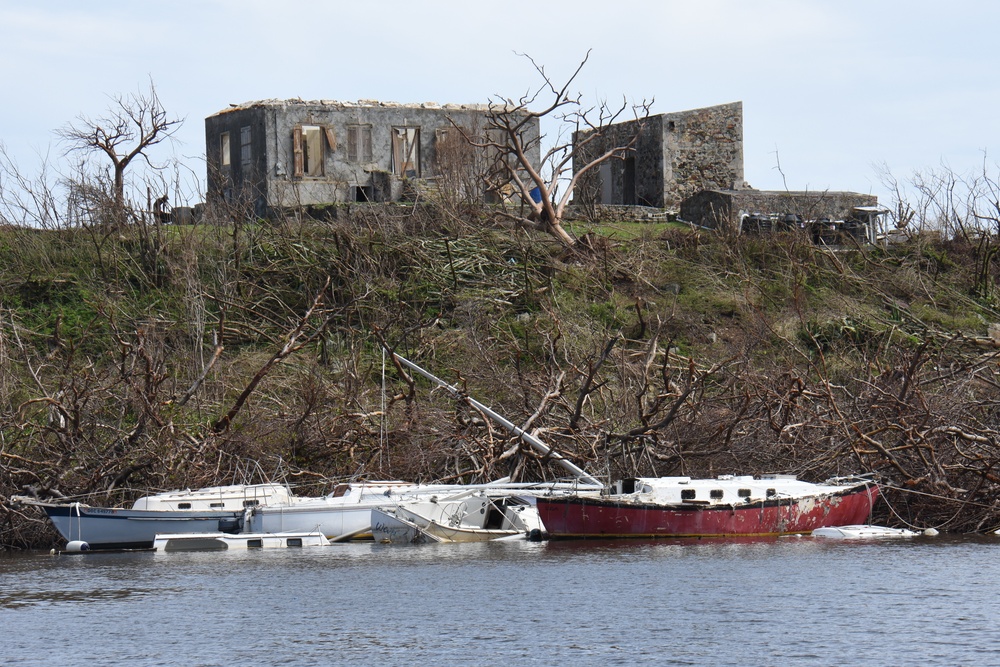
x=146, y=358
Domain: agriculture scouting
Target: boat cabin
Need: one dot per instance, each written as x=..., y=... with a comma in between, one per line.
x=722, y=490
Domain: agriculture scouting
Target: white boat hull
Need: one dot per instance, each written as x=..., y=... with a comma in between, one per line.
x=207, y=510
x=390, y=528
x=335, y=522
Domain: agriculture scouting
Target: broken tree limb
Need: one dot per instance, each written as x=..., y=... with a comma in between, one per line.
x=537, y=444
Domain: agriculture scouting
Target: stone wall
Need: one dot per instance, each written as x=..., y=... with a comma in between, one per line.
x=704, y=151
x=314, y=153
x=675, y=155
x=724, y=209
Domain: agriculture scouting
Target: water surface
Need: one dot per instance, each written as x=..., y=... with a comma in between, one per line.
x=802, y=601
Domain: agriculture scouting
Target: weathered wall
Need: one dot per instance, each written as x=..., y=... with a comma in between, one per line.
x=272, y=124
x=676, y=155
x=703, y=151
x=241, y=181
x=723, y=209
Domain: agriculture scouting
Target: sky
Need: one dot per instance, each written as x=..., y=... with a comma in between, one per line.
x=835, y=93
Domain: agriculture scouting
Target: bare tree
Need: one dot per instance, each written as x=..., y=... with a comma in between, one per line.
x=546, y=187
x=133, y=125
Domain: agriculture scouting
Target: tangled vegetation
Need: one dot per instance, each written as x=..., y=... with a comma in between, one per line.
x=146, y=357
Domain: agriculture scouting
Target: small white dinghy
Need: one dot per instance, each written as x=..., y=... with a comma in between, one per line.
x=861, y=532
x=226, y=541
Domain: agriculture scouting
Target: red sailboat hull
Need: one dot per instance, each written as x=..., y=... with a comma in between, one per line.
x=583, y=517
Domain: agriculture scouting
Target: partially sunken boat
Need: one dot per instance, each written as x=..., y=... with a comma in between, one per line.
x=862, y=532
x=347, y=513
x=729, y=505
x=243, y=541
x=472, y=517
x=208, y=510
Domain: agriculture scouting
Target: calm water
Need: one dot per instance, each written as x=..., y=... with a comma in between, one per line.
x=792, y=601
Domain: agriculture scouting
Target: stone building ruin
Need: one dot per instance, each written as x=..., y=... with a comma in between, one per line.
x=281, y=154
x=274, y=155
x=828, y=218
x=676, y=155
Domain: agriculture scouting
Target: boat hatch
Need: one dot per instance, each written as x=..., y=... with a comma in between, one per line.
x=628, y=485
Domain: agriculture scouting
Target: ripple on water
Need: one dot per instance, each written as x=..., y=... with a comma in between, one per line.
x=710, y=602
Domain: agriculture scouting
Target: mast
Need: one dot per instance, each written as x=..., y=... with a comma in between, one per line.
x=537, y=444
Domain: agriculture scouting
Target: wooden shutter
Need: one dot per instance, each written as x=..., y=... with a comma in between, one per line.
x=352, y=143
x=299, y=168
x=331, y=138
x=366, y=143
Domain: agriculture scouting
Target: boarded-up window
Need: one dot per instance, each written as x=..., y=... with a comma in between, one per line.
x=406, y=151
x=359, y=143
x=308, y=150
x=224, y=149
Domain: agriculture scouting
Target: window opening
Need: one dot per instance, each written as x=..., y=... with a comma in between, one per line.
x=307, y=147
x=183, y=506
x=224, y=148
x=406, y=151
x=715, y=493
x=687, y=494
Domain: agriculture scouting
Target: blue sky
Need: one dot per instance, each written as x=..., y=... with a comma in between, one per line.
x=831, y=89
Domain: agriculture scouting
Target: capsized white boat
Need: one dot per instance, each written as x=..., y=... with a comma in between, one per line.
x=388, y=527
x=862, y=532
x=346, y=513
x=226, y=541
x=476, y=516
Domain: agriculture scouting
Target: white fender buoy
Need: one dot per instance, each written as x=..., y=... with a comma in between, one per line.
x=931, y=532
x=77, y=546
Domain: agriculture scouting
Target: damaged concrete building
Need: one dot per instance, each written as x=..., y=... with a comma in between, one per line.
x=675, y=155
x=278, y=154
x=827, y=217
